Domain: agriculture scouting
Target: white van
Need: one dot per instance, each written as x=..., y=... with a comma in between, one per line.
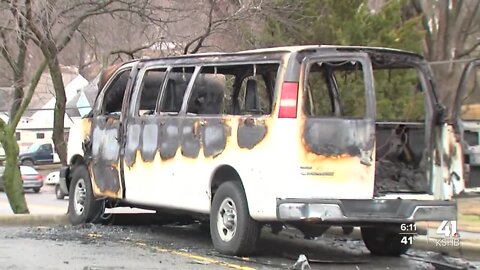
x=290, y=135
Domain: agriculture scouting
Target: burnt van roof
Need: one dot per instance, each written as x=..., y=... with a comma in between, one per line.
x=287, y=49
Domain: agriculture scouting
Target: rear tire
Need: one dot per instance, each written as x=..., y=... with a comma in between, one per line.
x=82, y=205
x=58, y=193
x=36, y=190
x=232, y=229
x=383, y=242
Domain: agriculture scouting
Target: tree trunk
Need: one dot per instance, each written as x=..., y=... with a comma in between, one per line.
x=11, y=176
x=59, y=114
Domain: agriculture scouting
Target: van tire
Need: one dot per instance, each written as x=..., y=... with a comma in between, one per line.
x=240, y=235
x=383, y=242
x=83, y=207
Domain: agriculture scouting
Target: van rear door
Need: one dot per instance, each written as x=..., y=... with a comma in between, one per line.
x=466, y=116
x=338, y=125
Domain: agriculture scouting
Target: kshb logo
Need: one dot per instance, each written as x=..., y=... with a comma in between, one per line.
x=448, y=228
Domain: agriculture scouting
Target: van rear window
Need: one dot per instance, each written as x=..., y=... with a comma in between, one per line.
x=335, y=89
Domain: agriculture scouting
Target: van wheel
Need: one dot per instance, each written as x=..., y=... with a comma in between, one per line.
x=82, y=205
x=383, y=242
x=232, y=229
x=58, y=193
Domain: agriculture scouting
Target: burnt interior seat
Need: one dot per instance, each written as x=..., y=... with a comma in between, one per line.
x=252, y=105
x=207, y=96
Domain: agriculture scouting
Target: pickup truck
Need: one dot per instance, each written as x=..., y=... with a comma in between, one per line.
x=37, y=154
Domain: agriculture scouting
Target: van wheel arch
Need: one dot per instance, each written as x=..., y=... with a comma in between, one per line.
x=75, y=161
x=221, y=175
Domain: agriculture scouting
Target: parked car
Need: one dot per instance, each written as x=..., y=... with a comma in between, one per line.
x=37, y=154
x=31, y=178
x=52, y=178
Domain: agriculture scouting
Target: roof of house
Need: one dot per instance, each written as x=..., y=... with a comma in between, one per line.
x=43, y=93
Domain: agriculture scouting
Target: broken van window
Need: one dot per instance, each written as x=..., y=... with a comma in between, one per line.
x=256, y=94
x=470, y=102
x=150, y=90
x=335, y=89
x=399, y=95
x=113, y=98
x=177, y=83
x=234, y=90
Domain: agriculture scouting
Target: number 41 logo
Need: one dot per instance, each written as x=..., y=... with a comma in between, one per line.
x=448, y=228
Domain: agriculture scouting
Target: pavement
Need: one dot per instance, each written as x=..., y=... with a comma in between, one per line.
x=46, y=210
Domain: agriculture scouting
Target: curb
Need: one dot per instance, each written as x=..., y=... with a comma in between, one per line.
x=467, y=249
x=33, y=220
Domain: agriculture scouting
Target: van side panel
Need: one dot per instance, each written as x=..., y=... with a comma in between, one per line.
x=182, y=181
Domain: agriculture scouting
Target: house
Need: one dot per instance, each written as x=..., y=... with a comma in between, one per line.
x=38, y=128
x=36, y=125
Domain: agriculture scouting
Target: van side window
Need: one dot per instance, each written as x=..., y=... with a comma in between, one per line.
x=234, y=90
x=177, y=83
x=150, y=90
x=256, y=93
x=113, y=97
x=335, y=89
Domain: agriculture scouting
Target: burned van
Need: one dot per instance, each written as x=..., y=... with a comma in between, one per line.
x=308, y=136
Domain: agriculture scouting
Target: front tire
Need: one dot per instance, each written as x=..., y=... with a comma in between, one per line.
x=232, y=229
x=82, y=205
x=384, y=242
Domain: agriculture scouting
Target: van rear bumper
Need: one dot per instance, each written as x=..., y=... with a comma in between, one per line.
x=360, y=211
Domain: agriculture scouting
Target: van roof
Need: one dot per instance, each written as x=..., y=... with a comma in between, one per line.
x=287, y=49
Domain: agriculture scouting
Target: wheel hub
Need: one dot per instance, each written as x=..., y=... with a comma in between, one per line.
x=227, y=219
x=80, y=194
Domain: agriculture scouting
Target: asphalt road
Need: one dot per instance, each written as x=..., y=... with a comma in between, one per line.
x=132, y=243
x=138, y=241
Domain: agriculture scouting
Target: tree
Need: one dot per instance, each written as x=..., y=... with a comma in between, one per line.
x=53, y=24
x=14, y=53
x=352, y=22
x=451, y=38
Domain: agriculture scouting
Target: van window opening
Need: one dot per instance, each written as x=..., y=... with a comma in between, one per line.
x=113, y=97
x=176, y=85
x=234, y=90
x=399, y=94
x=335, y=89
x=149, y=91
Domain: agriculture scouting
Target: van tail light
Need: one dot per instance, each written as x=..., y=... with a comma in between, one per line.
x=288, y=100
